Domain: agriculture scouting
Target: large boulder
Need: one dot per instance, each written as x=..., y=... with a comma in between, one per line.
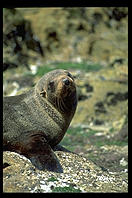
x=79, y=175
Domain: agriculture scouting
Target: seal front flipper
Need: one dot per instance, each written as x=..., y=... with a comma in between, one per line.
x=35, y=147
x=46, y=161
x=42, y=155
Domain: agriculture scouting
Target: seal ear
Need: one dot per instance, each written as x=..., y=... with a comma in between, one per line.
x=43, y=93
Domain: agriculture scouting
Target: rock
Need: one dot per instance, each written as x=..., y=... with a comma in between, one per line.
x=107, y=101
x=18, y=40
x=113, y=98
x=99, y=108
x=108, y=157
x=123, y=162
x=79, y=175
x=89, y=29
x=122, y=134
x=84, y=90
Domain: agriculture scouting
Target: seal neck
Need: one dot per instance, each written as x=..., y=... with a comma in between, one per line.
x=50, y=109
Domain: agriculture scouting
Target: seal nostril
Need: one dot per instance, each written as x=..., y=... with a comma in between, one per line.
x=66, y=81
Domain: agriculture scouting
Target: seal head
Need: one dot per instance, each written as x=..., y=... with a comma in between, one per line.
x=59, y=90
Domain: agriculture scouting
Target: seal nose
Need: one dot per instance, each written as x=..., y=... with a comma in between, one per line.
x=66, y=81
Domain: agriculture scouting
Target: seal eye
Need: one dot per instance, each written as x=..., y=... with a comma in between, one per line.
x=66, y=81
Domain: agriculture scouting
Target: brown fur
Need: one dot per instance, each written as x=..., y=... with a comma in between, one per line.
x=36, y=121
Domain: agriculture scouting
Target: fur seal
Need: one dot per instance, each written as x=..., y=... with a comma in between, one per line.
x=36, y=121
